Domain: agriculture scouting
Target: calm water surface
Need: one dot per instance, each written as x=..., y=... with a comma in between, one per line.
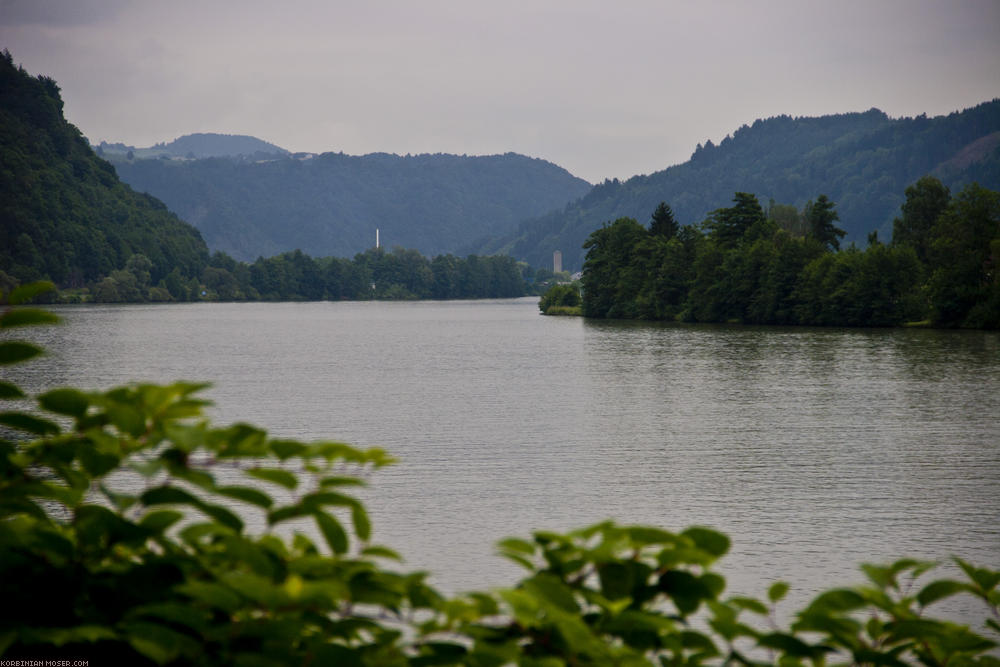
x=814, y=449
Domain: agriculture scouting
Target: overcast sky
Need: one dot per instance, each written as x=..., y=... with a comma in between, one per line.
x=604, y=89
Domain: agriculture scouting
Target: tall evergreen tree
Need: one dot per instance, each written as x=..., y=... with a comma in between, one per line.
x=728, y=225
x=820, y=215
x=663, y=223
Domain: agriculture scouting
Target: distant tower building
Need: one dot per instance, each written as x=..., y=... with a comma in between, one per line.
x=557, y=261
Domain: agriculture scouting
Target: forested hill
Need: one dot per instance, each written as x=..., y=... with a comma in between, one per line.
x=64, y=214
x=331, y=204
x=198, y=145
x=861, y=161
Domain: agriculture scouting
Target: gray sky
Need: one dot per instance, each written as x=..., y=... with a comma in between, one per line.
x=604, y=89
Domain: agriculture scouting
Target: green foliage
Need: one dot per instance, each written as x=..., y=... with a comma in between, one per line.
x=375, y=274
x=925, y=201
x=964, y=251
x=124, y=539
x=728, y=226
x=863, y=161
x=820, y=216
x=561, y=300
x=749, y=268
x=663, y=222
x=65, y=215
x=613, y=271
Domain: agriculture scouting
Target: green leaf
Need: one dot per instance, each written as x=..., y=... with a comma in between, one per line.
x=19, y=317
x=791, y=645
x=70, y=402
x=362, y=524
x=121, y=501
x=823, y=621
x=127, y=419
x=286, y=449
x=332, y=531
x=986, y=579
x=176, y=460
x=8, y=390
x=624, y=579
x=750, y=604
x=341, y=481
x=28, y=291
x=160, y=520
x=97, y=463
x=25, y=422
x=840, y=599
x=276, y=476
x=328, y=498
x=686, y=590
x=644, y=535
x=715, y=583
x=520, y=560
x=948, y=636
x=168, y=495
x=100, y=528
x=708, y=540
x=211, y=594
x=938, y=590
x=379, y=551
x=698, y=642
x=14, y=351
x=879, y=575
x=288, y=512
x=247, y=495
x=550, y=589
x=517, y=545
x=223, y=516
x=194, y=533
x=158, y=642
x=777, y=591
x=65, y=495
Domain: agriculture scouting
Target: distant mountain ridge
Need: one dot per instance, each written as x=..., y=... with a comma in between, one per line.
x=331, y=204
x=196, y=146
x=862, y=161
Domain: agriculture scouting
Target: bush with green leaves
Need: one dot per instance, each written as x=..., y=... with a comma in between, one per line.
x=133, y=531
x=561, y=299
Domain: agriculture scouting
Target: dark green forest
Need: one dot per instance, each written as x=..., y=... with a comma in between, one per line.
x=863, y=161
x=64, y=215
x=373, y=274
x=332, y=203
x=783, y=265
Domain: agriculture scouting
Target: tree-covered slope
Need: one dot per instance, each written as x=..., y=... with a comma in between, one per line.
x=64, y=214
x=331, y=204
x=862, y=161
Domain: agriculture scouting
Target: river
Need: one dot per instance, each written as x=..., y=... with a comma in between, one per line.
x=814, y=449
